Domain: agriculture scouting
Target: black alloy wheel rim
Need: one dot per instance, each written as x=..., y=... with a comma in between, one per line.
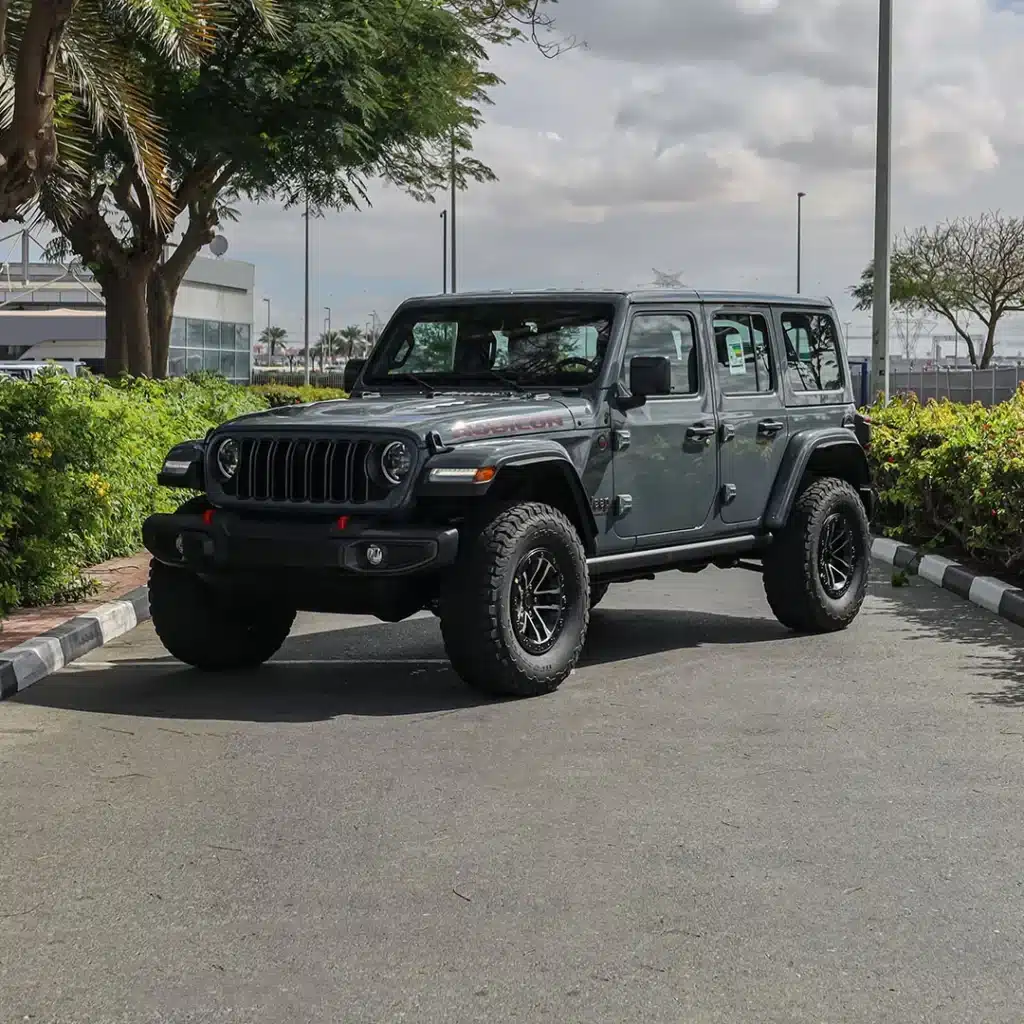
x=538, y=601
x=837, y=555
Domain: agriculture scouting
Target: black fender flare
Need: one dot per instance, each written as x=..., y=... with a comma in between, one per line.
x=504, y=456
x=802, y=448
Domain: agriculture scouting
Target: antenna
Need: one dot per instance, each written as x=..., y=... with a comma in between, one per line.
x=219, y=245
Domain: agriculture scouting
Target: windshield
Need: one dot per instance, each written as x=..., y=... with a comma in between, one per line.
x=521, y=343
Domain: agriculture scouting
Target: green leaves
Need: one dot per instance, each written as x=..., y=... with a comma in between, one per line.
x=952, y=475
x=78, y=460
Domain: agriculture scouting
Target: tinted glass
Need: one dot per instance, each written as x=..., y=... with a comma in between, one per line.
x=814, y=359
x=743, y=354
x=671, y=336
x=242, y=335
x=538, y=343
x=194, y=333
x=177, y=332
x=176, y=362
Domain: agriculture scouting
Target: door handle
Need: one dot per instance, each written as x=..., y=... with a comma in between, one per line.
x=769, y=428
x=699, y=431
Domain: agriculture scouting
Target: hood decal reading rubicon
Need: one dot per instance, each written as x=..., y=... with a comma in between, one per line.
x=513, y=425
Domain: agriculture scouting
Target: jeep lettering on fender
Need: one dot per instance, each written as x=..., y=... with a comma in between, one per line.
x=503, y=459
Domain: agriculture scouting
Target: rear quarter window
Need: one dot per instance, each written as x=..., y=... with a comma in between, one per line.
x=814, y=356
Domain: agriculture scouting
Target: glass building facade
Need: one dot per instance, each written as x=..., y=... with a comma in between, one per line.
x=224, y=348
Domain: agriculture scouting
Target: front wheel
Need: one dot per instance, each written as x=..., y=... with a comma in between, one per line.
x=208, y=630
x=516, y=605
x=816, y=571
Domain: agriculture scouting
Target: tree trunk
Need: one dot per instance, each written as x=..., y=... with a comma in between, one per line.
x=28, y=146
x=115, y=354
x=990, y=344
x=136, y=322
x=162, y=297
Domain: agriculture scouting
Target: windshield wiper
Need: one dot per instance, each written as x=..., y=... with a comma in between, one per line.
x=413, y=379
x=509, y=382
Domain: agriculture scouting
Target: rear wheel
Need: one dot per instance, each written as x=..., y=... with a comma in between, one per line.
x=816, y=571
x=209, y=630
x=515, y=607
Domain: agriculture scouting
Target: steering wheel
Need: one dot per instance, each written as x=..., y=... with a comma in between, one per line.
x=587, y=364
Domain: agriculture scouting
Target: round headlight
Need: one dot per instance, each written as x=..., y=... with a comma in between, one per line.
x=396, y=462
x=228, y=457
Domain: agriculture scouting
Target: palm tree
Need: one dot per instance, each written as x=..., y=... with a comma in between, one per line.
x=274, y=338
x=351, y=336
x=69, y=72
x=332, y=343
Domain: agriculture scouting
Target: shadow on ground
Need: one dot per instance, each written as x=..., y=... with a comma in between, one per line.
x=993, y=646
x=387, y=670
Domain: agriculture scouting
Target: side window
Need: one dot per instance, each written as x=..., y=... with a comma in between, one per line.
x=814, y=359
x=670, y=335
x=743, y=354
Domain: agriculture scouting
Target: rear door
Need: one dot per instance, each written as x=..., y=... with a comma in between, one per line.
x=752, y=412
x=665, y=460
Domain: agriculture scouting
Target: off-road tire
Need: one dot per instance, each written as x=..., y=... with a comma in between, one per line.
x=476, y=602
x=598, y=592
x=792, y=582
x=207, y=630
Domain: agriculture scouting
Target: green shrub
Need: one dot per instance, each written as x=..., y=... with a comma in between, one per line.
x=951, y=474
x=78, y=465
x=284, y=394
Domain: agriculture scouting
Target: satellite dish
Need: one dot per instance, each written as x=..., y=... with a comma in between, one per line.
x=219, y=245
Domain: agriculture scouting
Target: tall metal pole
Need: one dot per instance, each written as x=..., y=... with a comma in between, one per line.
x=883, y=208
x=305, y=374
x=444, y=252
x=328, y=310
x=454, y=286
x=267, y=301
x=799, y=235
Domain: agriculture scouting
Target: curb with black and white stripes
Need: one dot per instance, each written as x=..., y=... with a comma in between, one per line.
x=985, y=591
x=49, y=652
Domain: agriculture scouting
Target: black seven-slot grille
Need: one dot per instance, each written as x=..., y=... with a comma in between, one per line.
x=305, y=470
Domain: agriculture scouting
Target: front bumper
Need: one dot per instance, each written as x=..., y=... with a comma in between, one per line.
x=221, y=542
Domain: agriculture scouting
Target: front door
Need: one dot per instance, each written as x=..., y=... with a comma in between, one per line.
x=665, y=462
x=754, y=425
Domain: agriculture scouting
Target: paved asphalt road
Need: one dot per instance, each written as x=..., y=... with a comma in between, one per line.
x=713, y=820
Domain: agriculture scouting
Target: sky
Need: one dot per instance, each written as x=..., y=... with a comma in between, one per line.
x=677, y=138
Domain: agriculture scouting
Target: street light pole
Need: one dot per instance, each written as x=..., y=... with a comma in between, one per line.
x=799, y=235
x=267, y=301
x=883, y=207
x=328, y=309
x=305, y=374
x=454, y=287
x=444, y=252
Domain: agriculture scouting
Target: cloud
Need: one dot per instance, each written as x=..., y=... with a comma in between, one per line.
x=679, y=137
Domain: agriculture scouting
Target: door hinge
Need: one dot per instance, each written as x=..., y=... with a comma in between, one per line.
x=623, y=504
x=620, y=440
x=728, y=494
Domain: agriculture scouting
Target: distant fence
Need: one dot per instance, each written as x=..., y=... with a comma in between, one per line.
x=989, y=387
x=333, y=378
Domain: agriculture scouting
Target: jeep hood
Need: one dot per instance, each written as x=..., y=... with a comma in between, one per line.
x=455, y=417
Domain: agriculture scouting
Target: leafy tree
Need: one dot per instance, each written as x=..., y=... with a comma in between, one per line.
x=68, y=69
x=351, y=341
x=973, y=265
x=342, y=91
x=273, y=338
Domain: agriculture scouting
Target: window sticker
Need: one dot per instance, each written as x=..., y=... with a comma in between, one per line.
x=737, y=362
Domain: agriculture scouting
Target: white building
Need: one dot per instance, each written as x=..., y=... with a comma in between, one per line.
x=49, y=311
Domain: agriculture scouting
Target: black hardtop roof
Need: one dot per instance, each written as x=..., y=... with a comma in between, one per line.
x=639, y=296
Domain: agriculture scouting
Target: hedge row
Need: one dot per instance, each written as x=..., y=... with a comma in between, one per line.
x=284, y=394
x=952, y=476
x=78, y=464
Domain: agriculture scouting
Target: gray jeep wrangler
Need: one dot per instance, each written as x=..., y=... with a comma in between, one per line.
x=504, y=458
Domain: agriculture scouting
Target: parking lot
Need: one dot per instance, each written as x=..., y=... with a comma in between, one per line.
x=713, y=820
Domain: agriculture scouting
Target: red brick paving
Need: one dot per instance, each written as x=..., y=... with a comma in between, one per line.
x=116, y=578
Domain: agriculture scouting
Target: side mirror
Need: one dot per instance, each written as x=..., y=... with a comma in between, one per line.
x=650, y=375
x=353, y=368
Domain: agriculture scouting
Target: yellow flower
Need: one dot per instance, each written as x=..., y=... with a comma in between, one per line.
x=35, y=437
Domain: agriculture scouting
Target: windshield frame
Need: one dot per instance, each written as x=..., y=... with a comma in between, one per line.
x=605, y=307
